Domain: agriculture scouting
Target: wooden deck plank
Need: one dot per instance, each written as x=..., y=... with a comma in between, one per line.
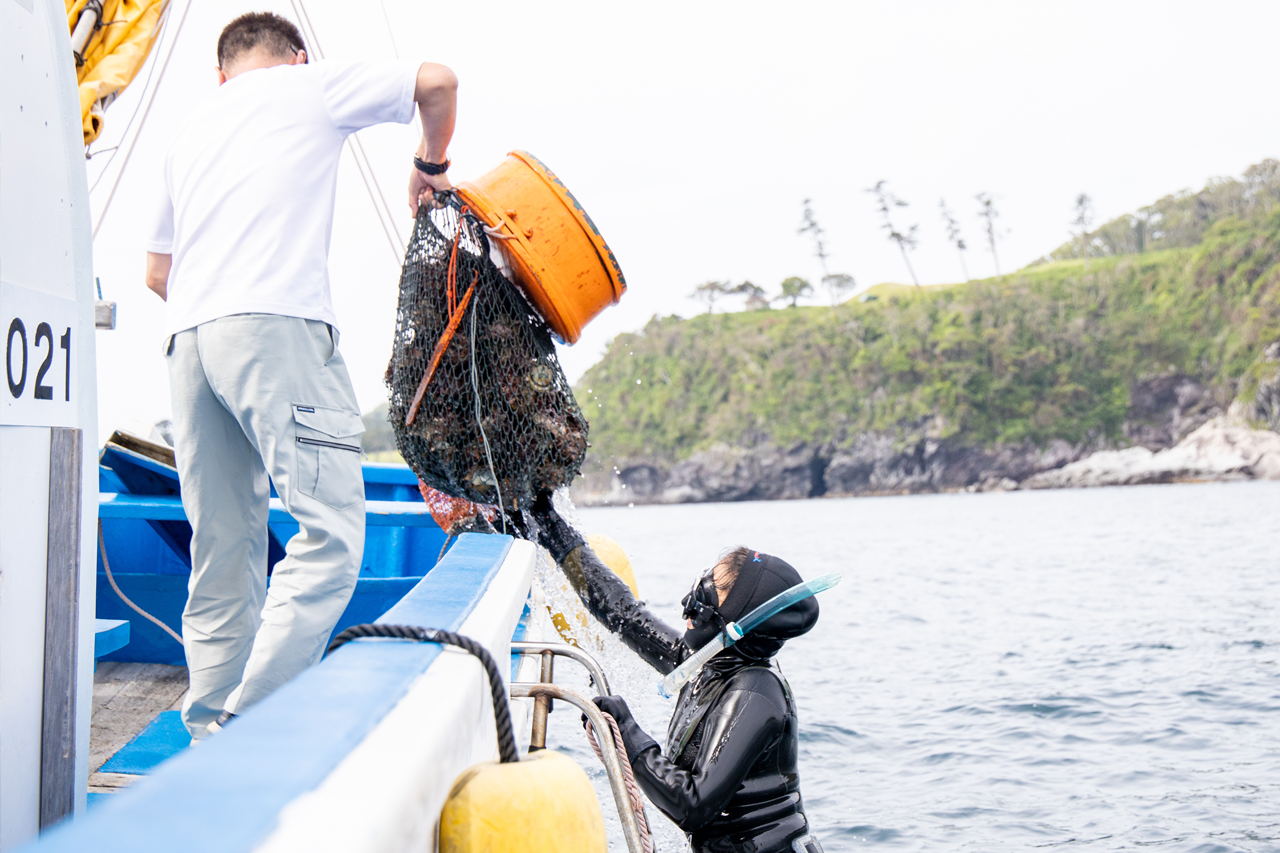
x=109, y=783
x=109, y=679
x=128, y=696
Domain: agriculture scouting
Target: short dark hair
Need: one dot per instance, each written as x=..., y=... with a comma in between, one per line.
x=258, y=29
x=732, y=560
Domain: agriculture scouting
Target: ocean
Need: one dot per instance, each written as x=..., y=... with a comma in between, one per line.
x=1080, y=668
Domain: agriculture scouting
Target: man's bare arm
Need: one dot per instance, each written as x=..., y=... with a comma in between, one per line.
x=436, y=93
x=158, y=274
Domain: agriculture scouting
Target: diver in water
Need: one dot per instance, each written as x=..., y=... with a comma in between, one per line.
x=728, y=776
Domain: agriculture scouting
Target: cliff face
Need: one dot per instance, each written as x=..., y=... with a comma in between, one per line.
x=1266, y=401
x=1163, y=411
x=1222, y=449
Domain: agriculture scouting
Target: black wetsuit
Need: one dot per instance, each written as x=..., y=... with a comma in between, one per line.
x=729, y=775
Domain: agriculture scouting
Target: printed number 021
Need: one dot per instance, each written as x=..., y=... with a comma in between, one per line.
x=44, y=332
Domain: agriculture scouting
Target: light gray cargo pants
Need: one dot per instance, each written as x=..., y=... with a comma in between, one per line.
x=258, y=395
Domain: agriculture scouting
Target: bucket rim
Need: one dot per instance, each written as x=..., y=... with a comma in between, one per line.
x=518, y=245
x=550, y=178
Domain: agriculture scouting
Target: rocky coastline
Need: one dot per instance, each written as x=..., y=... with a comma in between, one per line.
x=1176, y=430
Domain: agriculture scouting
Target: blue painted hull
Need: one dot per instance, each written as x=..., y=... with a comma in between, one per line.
x=145, y=536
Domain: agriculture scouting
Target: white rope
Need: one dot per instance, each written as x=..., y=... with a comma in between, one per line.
x=102, y=547
x=497, y=232
x=633, y=790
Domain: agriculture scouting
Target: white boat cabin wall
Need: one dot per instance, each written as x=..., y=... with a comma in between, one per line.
x=48, y=427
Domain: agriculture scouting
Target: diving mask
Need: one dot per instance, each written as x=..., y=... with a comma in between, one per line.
x=702, y=609
x=702, y=603
x=722, y=638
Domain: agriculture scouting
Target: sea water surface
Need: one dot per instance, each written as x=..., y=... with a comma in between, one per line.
x=1082, y=668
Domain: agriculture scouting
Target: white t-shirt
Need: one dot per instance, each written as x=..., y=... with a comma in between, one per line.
x=250, y=183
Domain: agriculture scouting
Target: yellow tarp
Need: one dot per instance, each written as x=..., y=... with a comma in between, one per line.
x=114, y=53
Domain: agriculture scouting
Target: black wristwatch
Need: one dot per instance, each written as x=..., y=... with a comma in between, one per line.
x=430, y=168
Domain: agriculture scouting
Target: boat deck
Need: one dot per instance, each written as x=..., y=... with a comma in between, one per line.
x=140, y=682
x=126, y=698
x=357, y=753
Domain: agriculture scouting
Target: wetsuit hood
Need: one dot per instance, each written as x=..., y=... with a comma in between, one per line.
x=761, y=577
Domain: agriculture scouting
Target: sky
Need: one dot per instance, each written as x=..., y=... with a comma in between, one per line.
x=693, y=133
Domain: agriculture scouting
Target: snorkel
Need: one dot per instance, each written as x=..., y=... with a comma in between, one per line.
x=735, y=631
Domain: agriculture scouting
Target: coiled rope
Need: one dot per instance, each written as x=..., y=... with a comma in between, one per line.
x=501, y=711
x=633, y=790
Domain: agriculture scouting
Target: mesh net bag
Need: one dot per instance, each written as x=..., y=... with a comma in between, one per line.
x=479, y=405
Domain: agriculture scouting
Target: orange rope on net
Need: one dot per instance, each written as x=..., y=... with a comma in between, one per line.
x=456, y=312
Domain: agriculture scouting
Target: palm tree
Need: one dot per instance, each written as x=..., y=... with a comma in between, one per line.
x=885, y=202
x=1084, y=218
x=988, y=213
x=953, y=234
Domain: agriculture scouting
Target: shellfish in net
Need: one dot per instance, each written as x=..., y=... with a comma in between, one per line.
x=479, y=405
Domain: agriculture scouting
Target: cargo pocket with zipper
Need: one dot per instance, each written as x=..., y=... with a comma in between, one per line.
x=328, y=453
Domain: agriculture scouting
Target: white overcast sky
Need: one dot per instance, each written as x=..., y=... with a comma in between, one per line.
x=692, y=132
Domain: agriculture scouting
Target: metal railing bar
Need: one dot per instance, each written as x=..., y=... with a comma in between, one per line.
x=525, y=647
x=612, y=763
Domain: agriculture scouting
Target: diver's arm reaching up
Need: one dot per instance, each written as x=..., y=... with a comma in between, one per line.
x=604, y=593
x=610, y=600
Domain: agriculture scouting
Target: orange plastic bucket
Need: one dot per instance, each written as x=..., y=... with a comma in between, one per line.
x=558, y=257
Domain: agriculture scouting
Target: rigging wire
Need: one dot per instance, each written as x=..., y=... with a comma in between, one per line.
x=125, y=165
x=386, y=17
x=146, y=84
x=371, y=185
x=385, y=217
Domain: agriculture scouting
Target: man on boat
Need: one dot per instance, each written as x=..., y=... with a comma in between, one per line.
x=261, y=396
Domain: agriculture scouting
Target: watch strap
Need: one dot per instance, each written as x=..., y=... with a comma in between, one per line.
x=430, y=168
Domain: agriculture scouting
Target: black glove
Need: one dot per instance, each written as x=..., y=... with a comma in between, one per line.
x=616, y=707
x=606, y=596
x=633, y=737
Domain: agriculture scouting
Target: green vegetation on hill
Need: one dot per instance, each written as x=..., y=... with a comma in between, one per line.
x=1180, y=220
x=378, y=441
x=1045, y=353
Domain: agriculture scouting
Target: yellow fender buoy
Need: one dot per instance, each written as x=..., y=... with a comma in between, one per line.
x=612, y=555
x=541, y=804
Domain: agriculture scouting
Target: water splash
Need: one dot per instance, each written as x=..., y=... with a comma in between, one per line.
x=628, y=676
